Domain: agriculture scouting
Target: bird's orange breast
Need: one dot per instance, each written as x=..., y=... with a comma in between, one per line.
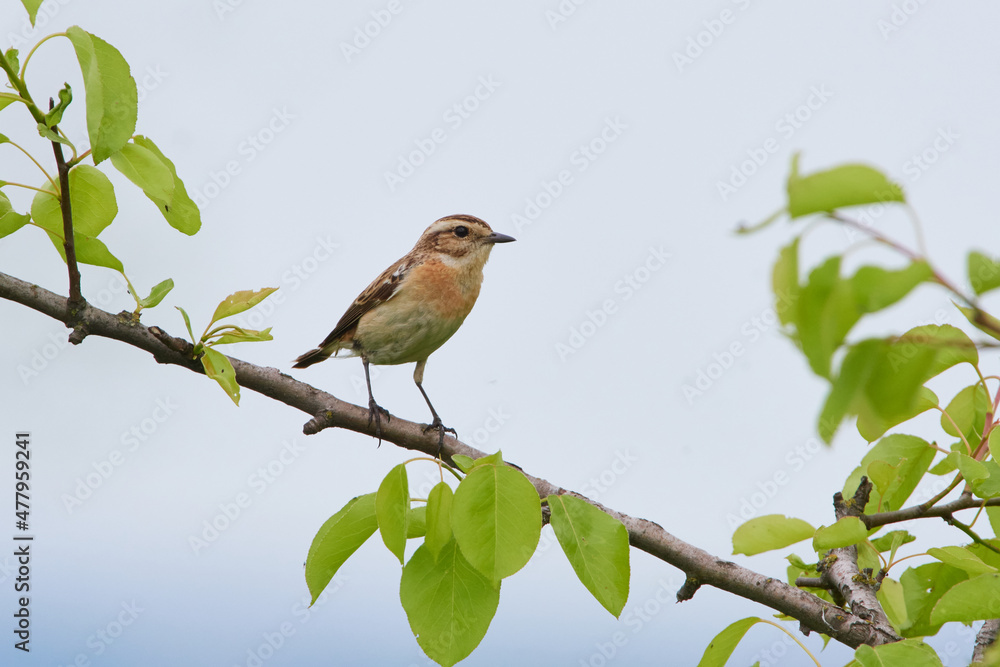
x=450, y=291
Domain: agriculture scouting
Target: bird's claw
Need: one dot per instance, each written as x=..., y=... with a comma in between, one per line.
x=375, y=411
x=441, y=429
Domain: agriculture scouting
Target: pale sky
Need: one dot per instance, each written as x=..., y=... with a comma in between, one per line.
x=624, y=346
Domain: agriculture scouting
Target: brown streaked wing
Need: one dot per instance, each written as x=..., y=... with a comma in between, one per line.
x=381, y=290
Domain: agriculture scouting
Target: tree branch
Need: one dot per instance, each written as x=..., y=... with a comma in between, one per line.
x=841, y=569
x=922, y=511
x=75, y=295
x=700, y=566
x=985, y=638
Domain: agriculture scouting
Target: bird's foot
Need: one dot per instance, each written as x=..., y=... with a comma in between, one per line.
x=376, y=411
x=441, y=429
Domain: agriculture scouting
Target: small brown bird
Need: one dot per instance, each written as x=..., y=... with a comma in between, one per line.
x=415, y=306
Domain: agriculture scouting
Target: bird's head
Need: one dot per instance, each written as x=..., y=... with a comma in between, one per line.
x=460, y=239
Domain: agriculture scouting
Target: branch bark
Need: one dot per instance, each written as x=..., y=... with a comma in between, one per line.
x=69, y=247
x=844, y=579
x=700, y=566
x=922, y=511
x=985, y=638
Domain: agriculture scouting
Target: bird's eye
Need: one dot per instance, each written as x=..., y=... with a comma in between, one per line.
x=461, y=231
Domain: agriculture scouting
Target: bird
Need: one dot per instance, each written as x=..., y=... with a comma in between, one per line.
x=414, y=307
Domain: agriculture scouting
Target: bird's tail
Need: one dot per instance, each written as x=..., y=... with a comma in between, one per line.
x=314, y=357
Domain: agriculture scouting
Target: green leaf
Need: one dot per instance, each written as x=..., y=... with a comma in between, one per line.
x=909, y=652
x=968, y=601
x=971, y=469
x=6, y=99
x=825, y=309
x=463, y=462
x=721, y=648
x=883, y=382
x=416, y=522
x=448, y=603
x=981, y=320
x=31, y=6
x=47, y=133
x=179, y=210
x=92, y=201
x=963, y=559
x=144, y=168
x=840, y=187
x=847, y=531
x=187, y=322
x=847, y=396
x=876, y=288
x=219, y=368
x=772, y=531
x=439, y=504
x=11, y=56
x=923, y=586
x=10, y=220
x=241, y=335
x=968, y=410
x=238, y=302
x=112, y=98
x=993, y=442
x=156, y=295
x=892, y=541
x=908, y=455
x=392, y=505
x=339, y=537
x=990, y=486
x=826, y=313
x=497, y=519
x=785, y=282
x=891, y=596
x=597, y=547
x=984, y=273
x=54, y=116
x=496, y=458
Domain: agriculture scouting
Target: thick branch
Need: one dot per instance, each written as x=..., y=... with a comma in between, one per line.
x=700, y=566
x=985, y=638
x=842, y=574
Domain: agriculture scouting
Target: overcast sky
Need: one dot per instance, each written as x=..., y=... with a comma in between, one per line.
x=624, y=347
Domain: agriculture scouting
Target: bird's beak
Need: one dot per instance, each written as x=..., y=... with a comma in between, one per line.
x=496, y=237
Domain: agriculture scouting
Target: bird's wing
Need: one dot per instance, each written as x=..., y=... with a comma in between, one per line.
x=381, y=290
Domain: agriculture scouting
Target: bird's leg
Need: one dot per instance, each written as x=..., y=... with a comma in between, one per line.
x=374, y=409
x=418, y=378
